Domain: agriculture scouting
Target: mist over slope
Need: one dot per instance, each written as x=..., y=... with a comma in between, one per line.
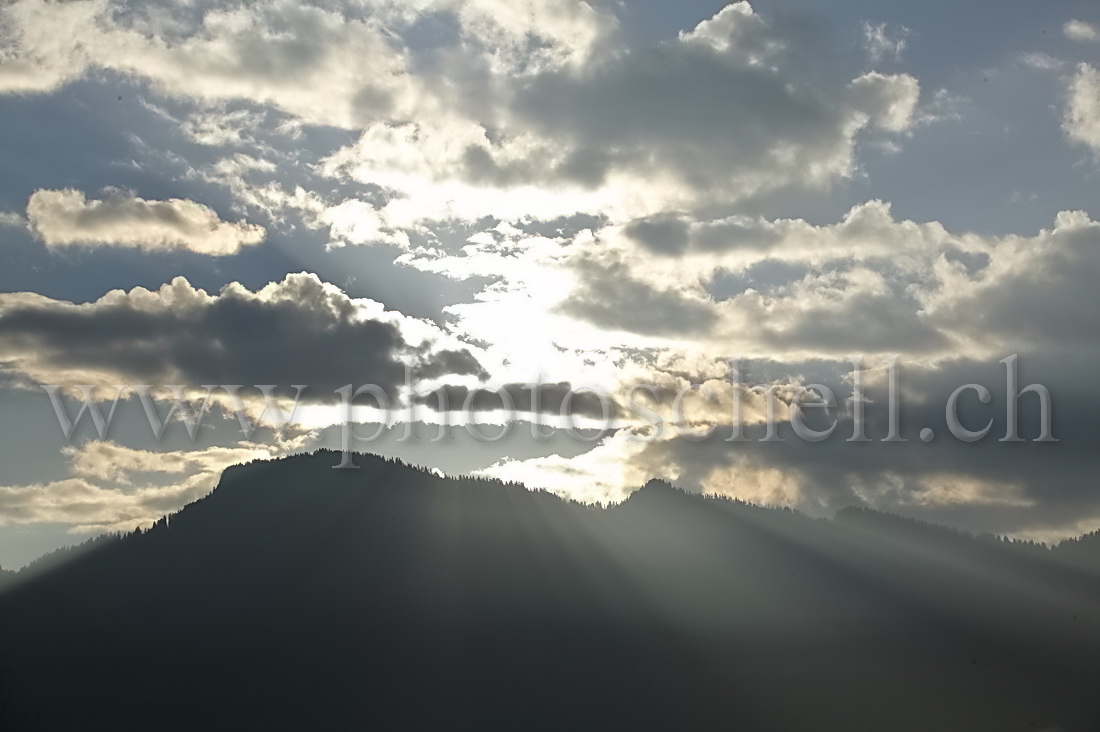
x=300, y=597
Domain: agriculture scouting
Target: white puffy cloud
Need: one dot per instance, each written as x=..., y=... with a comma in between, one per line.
x=888, y=101
x=532, y=34
x=737, y=30
x=37, y=48
x=291, y=56
x=339, y=65
x=1082, y=114
x=1079, y=30
x=66, y=217
x=357, y=222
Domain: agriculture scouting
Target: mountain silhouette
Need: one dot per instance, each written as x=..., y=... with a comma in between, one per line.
x=298, y=597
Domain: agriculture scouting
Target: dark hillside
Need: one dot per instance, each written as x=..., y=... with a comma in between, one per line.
x=300, y=597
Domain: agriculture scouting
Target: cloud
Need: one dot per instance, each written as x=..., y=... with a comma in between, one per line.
x=66, y=217
x=1041, y=61
x=667, y=112
x=1008, y=303
x=220, y=128
x=39, y=53
x=754, y=287
x=357, y=222
x=609, y=296
x=882, y=41
x=1081, y=120
x=858, y=310
x=736, y=107
x=889, y=102
x=294, y=57
x=532, y=34
x=280, y=53
x=1015, y=488
x=869, y=283
x=802, y=297
x=297, y=331
x=536, y=108
x=116, y=488
x=834, y=289
x=1078, y=30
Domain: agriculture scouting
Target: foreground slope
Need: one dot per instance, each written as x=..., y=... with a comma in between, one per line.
x=300, y=597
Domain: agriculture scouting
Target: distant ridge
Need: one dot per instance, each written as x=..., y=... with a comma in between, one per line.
x=295, y=596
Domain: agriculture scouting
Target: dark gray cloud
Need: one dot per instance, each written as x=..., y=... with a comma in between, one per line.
x=610, y=297
x=1004, y=487
x=737, y=104
x=1040, y=292
x=864, y=322
x=663, y=234
x=298, y=331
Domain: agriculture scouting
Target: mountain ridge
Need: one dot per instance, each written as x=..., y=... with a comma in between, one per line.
x=1084, y=545
x=296, y=595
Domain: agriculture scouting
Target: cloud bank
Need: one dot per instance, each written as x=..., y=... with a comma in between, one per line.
x=297, y=331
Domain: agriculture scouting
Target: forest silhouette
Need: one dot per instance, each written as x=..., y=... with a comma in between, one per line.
x=298, y=597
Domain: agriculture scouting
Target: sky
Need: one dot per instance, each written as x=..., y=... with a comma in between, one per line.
x=583, y=194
